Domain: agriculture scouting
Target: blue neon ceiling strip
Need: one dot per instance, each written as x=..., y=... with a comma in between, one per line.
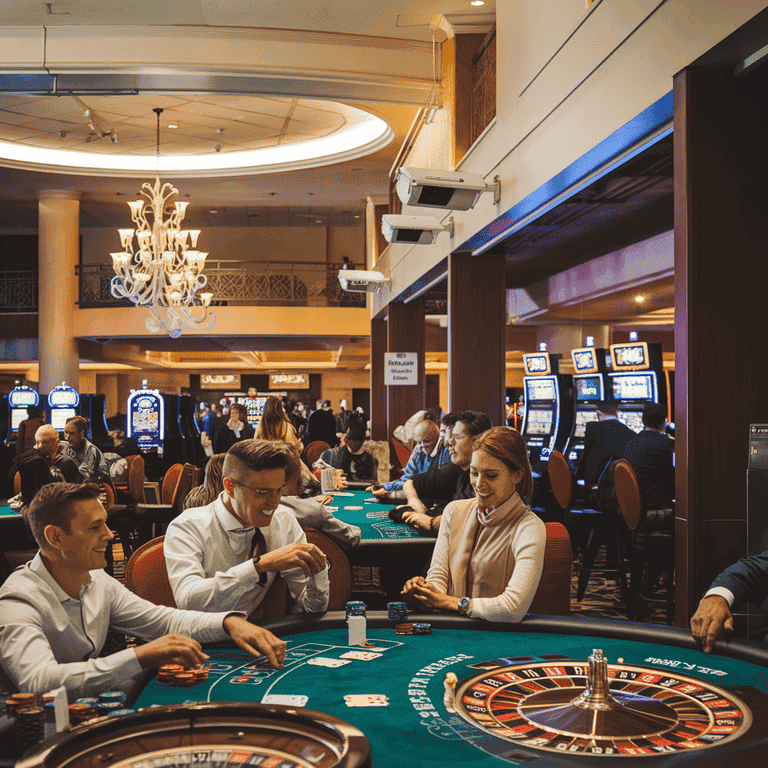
x=597, y=159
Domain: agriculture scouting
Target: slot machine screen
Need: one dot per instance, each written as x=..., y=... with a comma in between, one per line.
x=536, y=364
x=540, y=389
x=582, y=419
x=629, y=357
x=633, y=419
x=639, y=386
x=59, y=417
x=588, y=388
x=539, y=422
x=17, y=416
x=584, y=360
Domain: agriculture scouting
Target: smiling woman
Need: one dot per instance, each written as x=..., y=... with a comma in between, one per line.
x=490, y=550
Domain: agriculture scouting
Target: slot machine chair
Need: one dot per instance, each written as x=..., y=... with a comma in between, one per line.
x=314, y=451
x=602, y=524
x=553, y=595
x=339, y=569
x=402, y=453
x=653, y=536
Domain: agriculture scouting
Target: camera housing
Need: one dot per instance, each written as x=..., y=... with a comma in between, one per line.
x=414, y=230
x=446, y=190
x=361, y=280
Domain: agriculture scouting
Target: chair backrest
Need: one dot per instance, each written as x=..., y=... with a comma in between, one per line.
x=146, y=575
x=185, y=482
x=560, y=479
x=401, y=451
x=107, y=496
x=169, y=482
x=339, y=570
x=315, y=450
x=136, y=479
x=553, y=595
x=629, y=493
x=17, y=484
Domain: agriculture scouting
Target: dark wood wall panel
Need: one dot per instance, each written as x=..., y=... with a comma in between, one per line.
x=477, y=321
x=721, y=238
x=378, y=409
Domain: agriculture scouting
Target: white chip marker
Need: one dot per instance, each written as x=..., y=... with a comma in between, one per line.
x=357, y=625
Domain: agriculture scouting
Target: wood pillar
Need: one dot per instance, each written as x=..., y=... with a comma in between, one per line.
x=405, y=332
x=477, y=320
x=378, y=389
x=721, y=238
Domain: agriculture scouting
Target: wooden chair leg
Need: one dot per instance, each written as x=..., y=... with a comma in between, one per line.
x=594, y=542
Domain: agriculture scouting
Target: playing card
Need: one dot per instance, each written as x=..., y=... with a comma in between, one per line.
x=353, y=509
x=366, y=700
x=360, y=655
x=285, y=699
x=341, y=493
x=322, y=661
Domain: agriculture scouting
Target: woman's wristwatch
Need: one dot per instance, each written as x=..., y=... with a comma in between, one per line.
x=463, y=606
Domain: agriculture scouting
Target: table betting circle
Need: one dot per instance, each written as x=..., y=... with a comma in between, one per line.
x=221, y=735
x=595, y=709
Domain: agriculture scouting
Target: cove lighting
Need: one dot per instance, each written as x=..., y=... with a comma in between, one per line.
x=361, y=135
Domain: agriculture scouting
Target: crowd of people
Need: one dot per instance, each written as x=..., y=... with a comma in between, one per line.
x=467, y=483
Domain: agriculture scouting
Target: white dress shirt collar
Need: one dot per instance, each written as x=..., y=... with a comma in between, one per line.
x=38, y=567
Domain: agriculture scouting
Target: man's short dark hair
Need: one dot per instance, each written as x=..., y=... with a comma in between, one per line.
x=356, y=432
x=654, y=415
x=258, y=455
x=607, y=407
x=52, y=505
x=81, y=423
x=449, y=419
x=477, y=422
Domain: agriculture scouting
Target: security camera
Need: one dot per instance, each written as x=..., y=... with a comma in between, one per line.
x=361, y=280
x=417, y=230
x=440, y=189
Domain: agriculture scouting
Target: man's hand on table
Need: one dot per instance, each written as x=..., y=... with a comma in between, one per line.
x=171, y=649
x=427, y=593
x=421, y=522
x=255, y=640
x=711, y=617
x=377, y=490
x=308, y=557
x=324, y=500
x=340, y=480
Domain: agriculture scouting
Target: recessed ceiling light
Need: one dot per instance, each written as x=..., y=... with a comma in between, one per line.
x=240, y=117
x=477, y=2
x=173, y=125
x=212, y=211
x=639, y=299
x=318, y=221
x=357, y=216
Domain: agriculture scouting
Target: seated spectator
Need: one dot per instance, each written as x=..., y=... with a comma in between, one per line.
x=50, y=448
x=225, y=556
x=746, y=581
x=34, y=473
x=234, y=430
x=650, y=453
x=429, y=453
x=350, y=457
x=489, y=553
x=321, y=425
x=25, y=437
x=604, y=440
x=428, y=493
x=212, y=486
x=58, y=608
x=89, y=459
x=121, y=445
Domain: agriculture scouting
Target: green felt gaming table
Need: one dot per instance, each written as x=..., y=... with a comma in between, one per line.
x=6, y=511
x=719, y=702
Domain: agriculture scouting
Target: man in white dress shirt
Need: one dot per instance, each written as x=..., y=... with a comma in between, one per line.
x=56, y=610
x=225, y=556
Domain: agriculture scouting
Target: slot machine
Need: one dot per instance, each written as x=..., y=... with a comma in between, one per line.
x=548, y=407
x=62, y=403
x=254, y=407
x=590, y=385
x=146, y=419
x=193, y=450
x=636, y=379
x=19, y=399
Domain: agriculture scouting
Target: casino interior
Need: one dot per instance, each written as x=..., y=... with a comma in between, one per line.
x=597, y=173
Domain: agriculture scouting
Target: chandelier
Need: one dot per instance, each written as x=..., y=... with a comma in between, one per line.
x=164, y=271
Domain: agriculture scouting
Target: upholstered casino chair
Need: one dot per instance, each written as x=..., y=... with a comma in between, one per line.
x=339, y=570
x=169, y=482
x=147, y=577
x=601, y=525
x=553, y=595
x=653, y=537
x=314, y=451
x=402, y=452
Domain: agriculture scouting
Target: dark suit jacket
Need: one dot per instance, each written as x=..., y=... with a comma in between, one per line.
x=747, y=579
x=650, y=453
x=321, y=425
x=603, y=440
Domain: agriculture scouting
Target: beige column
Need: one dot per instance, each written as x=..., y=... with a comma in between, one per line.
x=59, y=233
x=107, y=385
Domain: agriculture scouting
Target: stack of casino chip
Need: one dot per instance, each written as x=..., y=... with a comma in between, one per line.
x=355, y=608
x=168, y=672
x=404, y=629
x=180, y=675
x=422, y=629
x=109, y=701
x=121, y=712
x=19, y=701
x=81, y=713
x=397, y=612
x=30, y=727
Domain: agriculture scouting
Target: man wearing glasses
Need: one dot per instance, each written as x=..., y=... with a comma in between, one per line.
x=225, y=556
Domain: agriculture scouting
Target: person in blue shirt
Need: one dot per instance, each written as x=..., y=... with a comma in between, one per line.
x=429, y=453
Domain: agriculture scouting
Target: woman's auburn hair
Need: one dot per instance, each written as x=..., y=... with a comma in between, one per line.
x=507, y=446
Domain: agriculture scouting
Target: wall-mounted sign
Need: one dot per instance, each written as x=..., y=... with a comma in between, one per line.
x=289, y=381
x=219, y=381
x=401, y=368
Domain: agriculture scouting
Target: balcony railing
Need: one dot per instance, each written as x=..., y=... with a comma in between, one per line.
x=18, y=291
x=241, y=283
